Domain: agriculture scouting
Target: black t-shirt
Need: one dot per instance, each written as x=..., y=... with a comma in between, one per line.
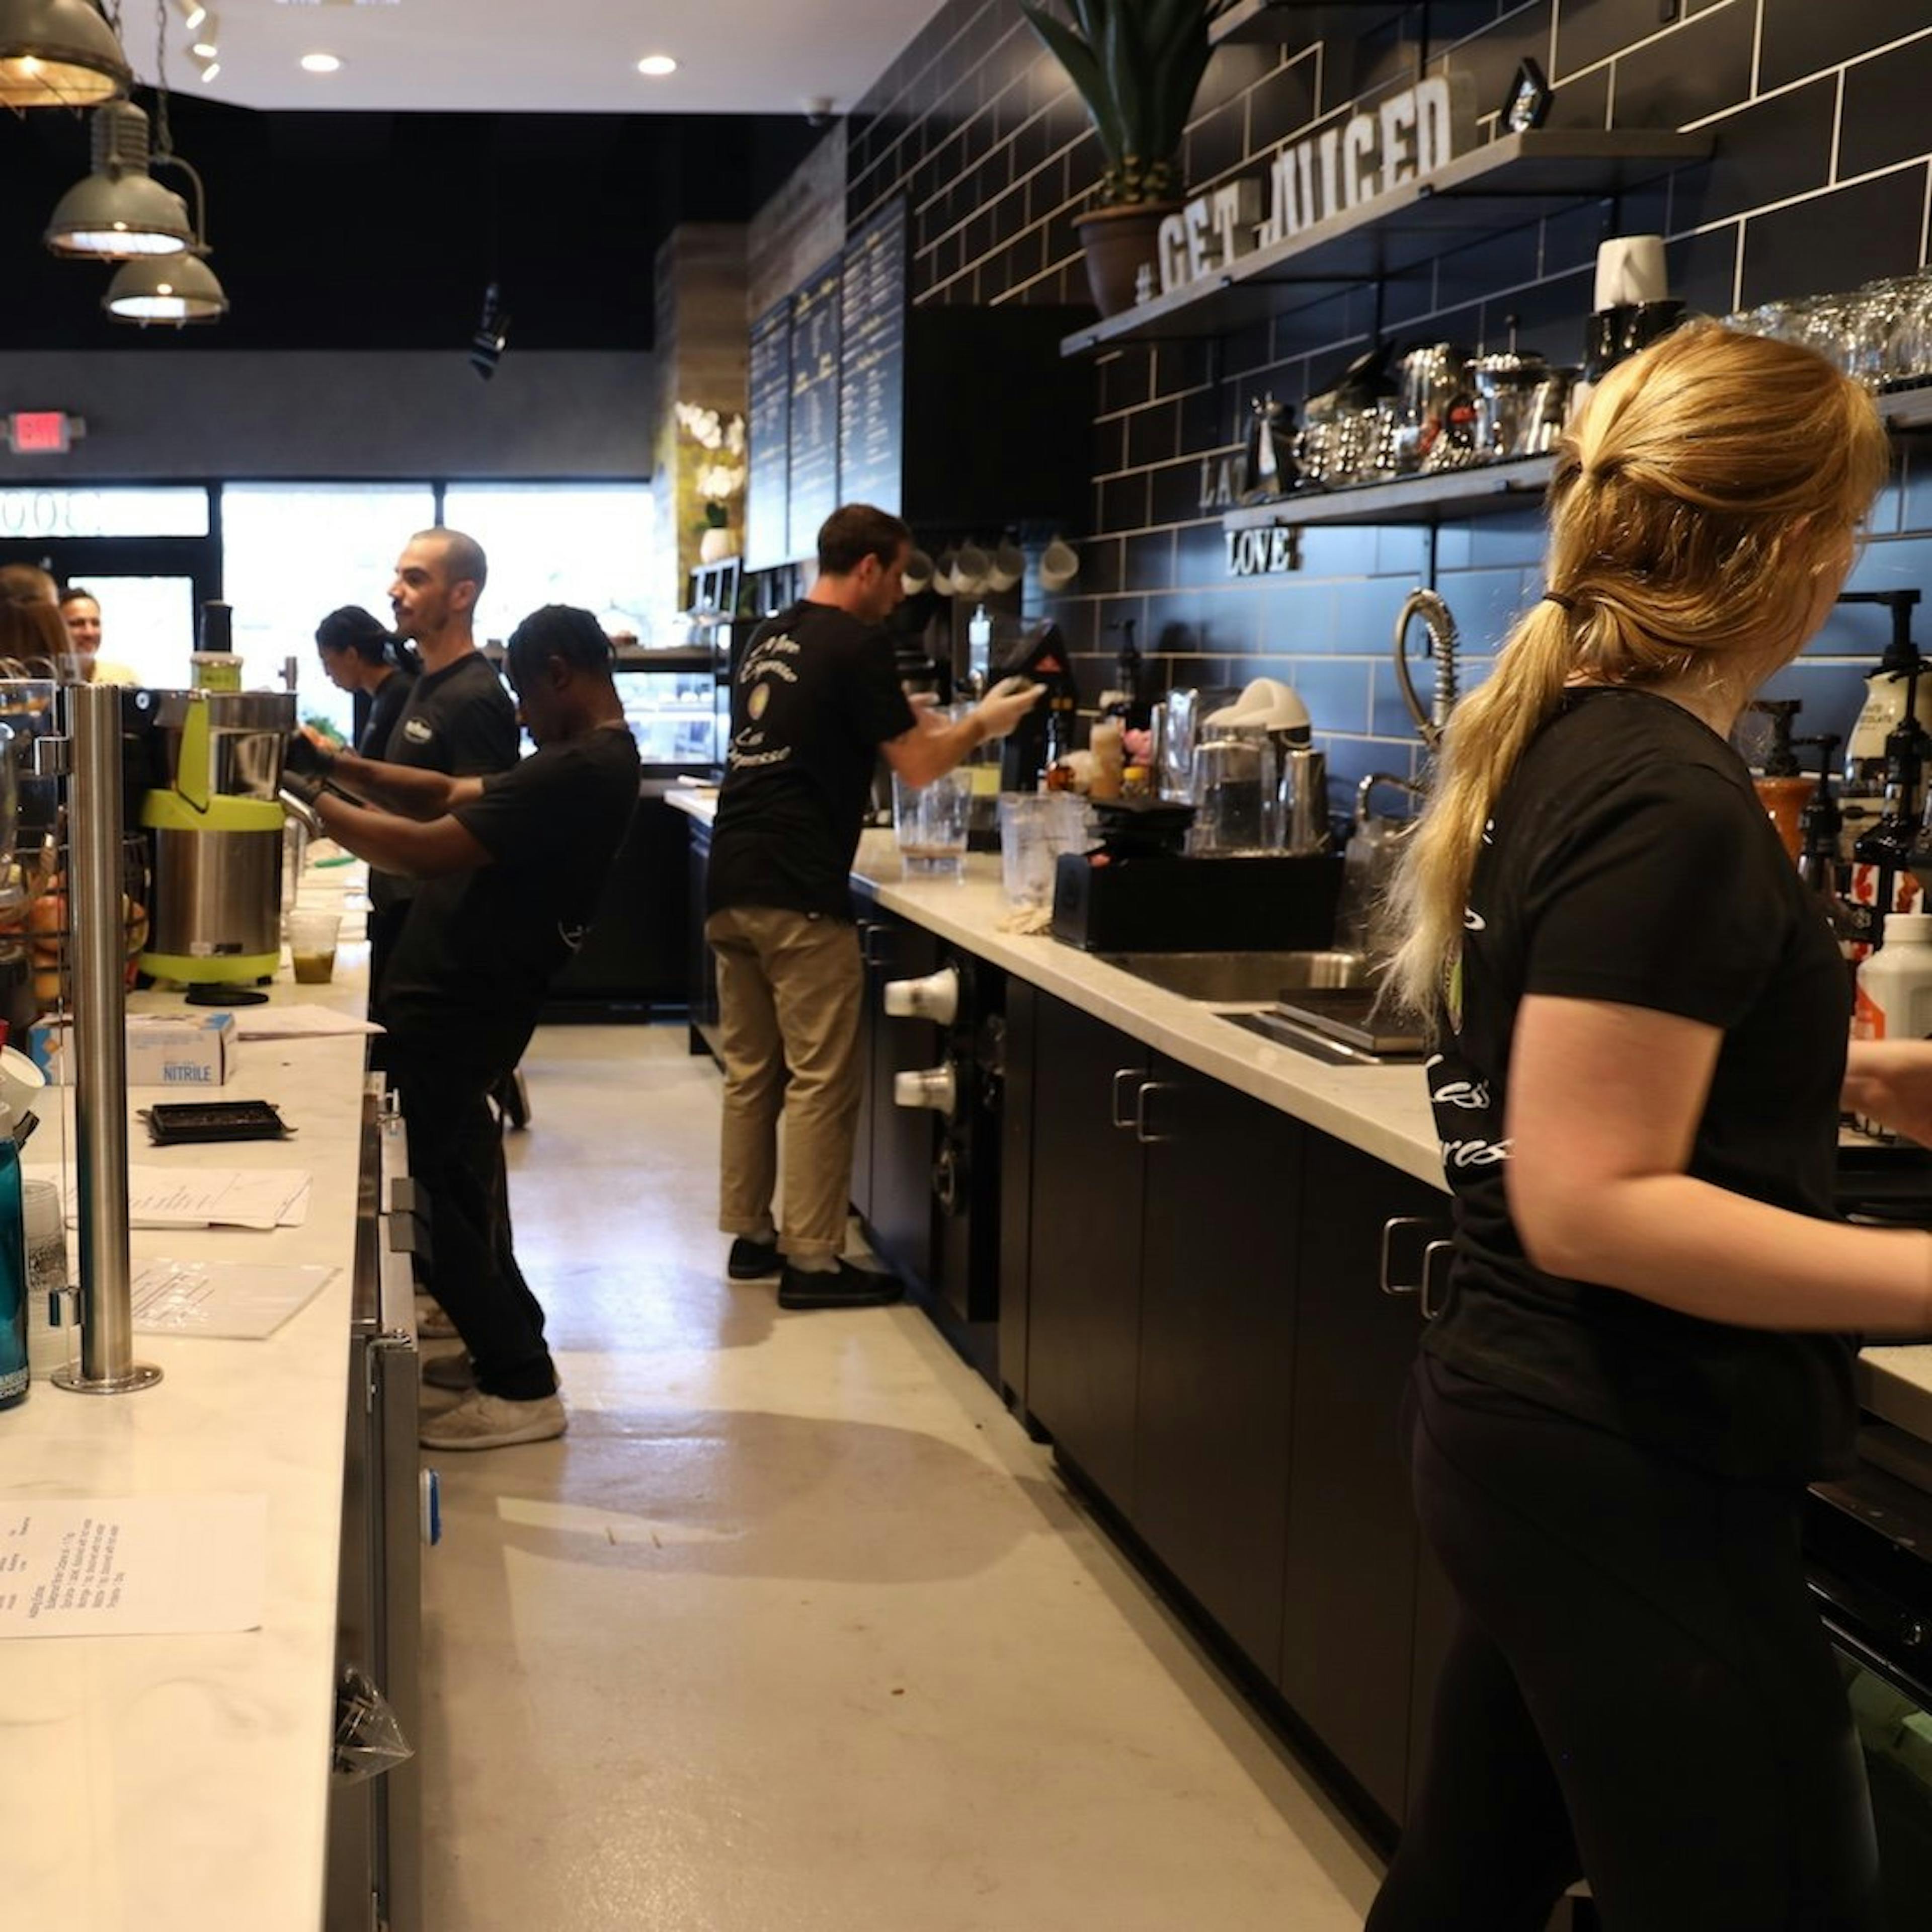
x=1629, y=861
x=459, y=720
x=480, y=947
x=816, y=696
x=386, y=712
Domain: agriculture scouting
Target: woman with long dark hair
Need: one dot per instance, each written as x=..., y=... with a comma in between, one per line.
x=361, y=657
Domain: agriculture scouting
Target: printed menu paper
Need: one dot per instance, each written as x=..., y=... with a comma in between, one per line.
x=132, y=1566
x=234, y=1300
x=216, y=1197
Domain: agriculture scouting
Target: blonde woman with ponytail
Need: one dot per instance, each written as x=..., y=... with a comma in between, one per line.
x=1640, y=1021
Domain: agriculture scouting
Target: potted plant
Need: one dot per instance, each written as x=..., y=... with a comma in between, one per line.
x=1137, y=64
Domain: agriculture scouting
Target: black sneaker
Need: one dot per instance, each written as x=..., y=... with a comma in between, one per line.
x=753, y=1260
x=844, y=1286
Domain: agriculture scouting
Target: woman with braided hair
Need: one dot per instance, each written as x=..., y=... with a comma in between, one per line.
x=1639, y=1018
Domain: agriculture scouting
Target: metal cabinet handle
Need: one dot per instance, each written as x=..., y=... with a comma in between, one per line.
x=1436, y=1277
x=1121, y=1120
x=1391, y=1229
x=871, y=952
x=1141, y=1093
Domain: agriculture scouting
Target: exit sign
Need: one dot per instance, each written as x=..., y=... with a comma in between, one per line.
x=40, y=432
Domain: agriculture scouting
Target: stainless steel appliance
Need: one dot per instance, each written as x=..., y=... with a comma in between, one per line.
x=218, y=832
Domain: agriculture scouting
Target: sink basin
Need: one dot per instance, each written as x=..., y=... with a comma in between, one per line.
x=1234, y=979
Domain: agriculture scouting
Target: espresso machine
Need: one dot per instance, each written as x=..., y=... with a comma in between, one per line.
x=212, y=809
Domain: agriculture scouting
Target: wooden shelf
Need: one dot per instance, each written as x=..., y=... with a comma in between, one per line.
x=1511, y=182
x=1483, y=490
x=1908, y=410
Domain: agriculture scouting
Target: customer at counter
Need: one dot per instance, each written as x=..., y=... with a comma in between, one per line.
x=359, y=657
x=1645, y=1353
x=816, y=701
x=510, y=867
x=27, y=584
x=80, y=612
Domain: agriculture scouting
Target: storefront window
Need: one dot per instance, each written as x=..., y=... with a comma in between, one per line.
x=592, y=544
x=50, y=514
x=294, y=552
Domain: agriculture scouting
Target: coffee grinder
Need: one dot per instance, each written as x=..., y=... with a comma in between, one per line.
x=212, y=807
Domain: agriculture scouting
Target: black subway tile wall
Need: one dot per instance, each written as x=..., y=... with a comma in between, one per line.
x=1822, y=179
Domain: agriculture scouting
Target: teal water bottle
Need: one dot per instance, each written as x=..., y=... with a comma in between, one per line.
x=13, y=1270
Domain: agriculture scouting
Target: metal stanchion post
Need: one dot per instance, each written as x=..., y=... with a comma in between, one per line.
x=107, y=1365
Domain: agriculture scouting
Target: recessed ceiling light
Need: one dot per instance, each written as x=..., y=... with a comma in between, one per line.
x=320, y=63
x=656, y=65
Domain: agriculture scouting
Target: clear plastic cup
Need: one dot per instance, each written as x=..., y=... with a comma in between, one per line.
x=312, y=937
x=931, y=822
x=1028, y=851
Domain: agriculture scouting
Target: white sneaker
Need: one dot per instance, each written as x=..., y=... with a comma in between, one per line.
x=481, y=1421
x=432, y=1324
x=455, y=1371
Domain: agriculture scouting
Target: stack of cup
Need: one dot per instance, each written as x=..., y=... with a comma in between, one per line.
x=52, y=1331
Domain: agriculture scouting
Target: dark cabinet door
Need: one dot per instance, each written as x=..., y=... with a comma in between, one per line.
x=1084, y=1276
x=1218, y=1268
x=904, y=1139
x=702, y=983
x=1349, y=1618
x=870, y=1017
x=1016, y=1182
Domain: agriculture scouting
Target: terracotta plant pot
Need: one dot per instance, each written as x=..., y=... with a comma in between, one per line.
x=1117, y=241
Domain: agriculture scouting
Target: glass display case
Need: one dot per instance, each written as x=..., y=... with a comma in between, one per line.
x=670, y=703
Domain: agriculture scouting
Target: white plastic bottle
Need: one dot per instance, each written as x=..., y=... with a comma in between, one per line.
x=1894, y=996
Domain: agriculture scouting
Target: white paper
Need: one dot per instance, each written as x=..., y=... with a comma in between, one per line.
x=132, y=1566
x=234, y=1301
x=218, y=1197
x=274, y=1022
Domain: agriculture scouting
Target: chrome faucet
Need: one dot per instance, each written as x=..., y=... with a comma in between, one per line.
x=1443, y=643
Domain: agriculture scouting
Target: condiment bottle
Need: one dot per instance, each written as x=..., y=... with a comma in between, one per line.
x=1109, y=758
x=1894, y=996
x=12, y=1270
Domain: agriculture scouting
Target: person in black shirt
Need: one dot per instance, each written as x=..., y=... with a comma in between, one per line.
x=815, y=702
x=358, y=656
x=508, y=869
x=1645, y=1351
x=456, y=717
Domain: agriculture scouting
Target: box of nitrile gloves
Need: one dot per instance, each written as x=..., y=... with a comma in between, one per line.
x=163, y=1049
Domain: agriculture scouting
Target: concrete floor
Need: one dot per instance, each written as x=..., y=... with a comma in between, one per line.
x=796, y=1630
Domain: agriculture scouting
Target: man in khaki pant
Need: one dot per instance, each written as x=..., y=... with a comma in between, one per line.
x=815, y=702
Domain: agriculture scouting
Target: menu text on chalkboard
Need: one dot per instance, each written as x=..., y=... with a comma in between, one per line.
x=813, y=478
x=871, y=385
x=766, y=538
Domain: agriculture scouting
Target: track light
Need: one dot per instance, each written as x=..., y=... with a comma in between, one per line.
x=193, y=13
x=176, y=288
x=204, y=42
x=492, y=334
x=120, y=210
x=59, y=53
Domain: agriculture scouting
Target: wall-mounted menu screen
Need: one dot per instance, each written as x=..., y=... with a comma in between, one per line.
x=813, y=477
x=766, y=537
x=872, y=384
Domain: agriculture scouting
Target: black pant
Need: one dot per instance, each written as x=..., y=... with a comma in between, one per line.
x=456, y=1157
x=1638, y=1690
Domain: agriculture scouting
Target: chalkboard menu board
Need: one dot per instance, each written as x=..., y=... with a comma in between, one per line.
x=813, y=480
x=766, y=537
x=871, y=383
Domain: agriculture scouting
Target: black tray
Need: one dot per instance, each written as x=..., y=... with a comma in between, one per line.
x=1347, y=1013
x=173, y=1123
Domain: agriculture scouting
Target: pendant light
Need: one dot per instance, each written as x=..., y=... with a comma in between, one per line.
x=176, y=289
x=59, y=53
x=120, y=210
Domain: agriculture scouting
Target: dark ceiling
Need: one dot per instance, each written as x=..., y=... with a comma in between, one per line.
x=381, y=231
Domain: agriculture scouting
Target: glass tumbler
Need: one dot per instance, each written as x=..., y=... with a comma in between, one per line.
x=1028, y=849
x=931, y=822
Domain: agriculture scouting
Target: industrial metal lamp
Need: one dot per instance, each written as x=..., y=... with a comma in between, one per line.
x=177, y=289
x=59, y=53
x=120, y=210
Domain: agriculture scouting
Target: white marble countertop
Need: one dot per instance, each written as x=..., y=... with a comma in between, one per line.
x=182, y=1782
x=1384, y=1111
